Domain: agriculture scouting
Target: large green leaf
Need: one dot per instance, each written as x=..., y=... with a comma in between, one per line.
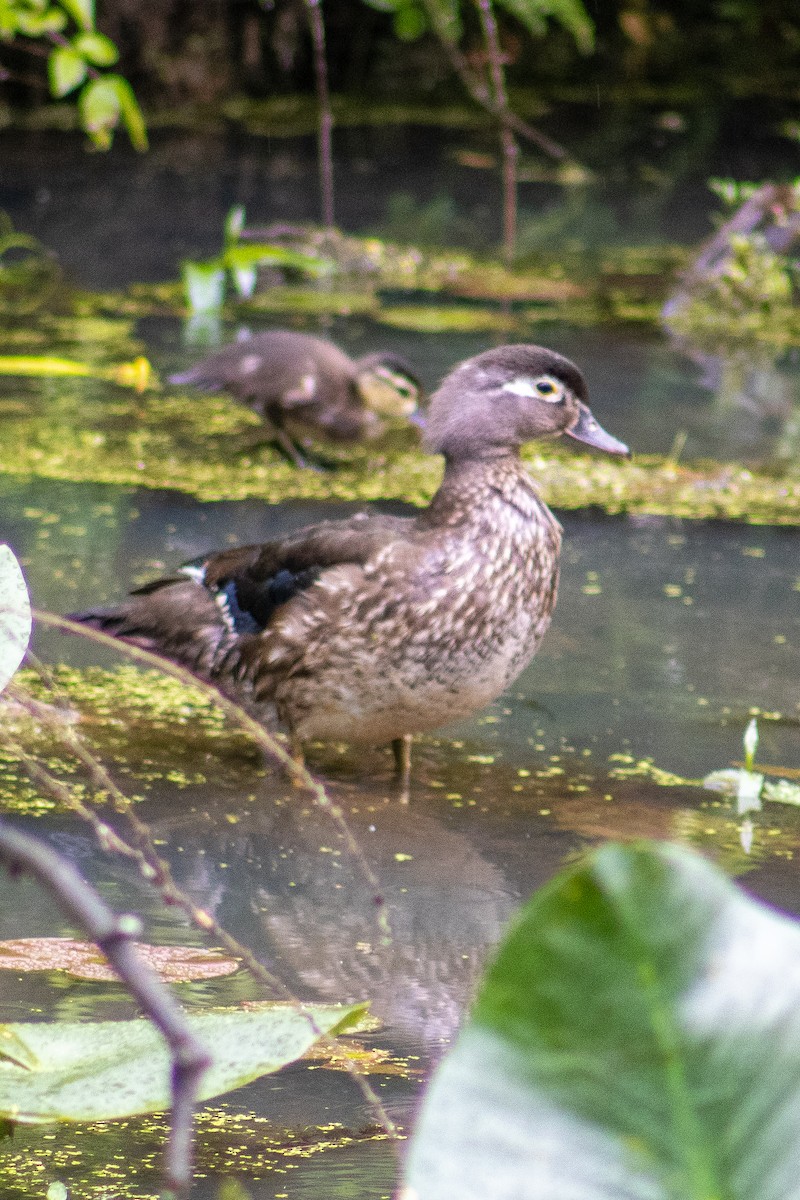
x=638, y=1036
x=101, y=1070
x=15, y=615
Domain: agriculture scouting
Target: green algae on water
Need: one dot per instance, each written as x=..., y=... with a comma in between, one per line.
x=152, y=727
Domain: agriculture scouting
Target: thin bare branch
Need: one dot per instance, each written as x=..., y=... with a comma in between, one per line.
x=115, y=937
x=508, y=145
x=481, y=94
x=156, y=870
x=269, y=744
x=325, y=113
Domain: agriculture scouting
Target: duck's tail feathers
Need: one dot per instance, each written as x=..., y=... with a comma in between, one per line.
x=177, y=619
x=198, y=378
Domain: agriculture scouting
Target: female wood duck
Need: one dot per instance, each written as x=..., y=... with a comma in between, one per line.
x=373, y=628
x=296, y=380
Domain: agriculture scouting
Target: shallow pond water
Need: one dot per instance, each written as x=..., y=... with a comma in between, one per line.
x=667, y=636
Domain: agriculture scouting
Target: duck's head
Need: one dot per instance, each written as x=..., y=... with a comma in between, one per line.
x=387, y=385
x=497, y=401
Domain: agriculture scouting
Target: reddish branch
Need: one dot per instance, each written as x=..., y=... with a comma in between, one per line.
x=508, y=145
x=115, y=936
x=325, y=115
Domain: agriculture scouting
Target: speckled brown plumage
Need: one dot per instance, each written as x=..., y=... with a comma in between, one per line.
x=297, y=381
x=374, y=628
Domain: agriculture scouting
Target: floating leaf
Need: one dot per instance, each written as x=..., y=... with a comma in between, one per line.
x=103, y=1070
x=15, y=615
x=638, y=1035
x=42, y=365
x=173, y=964
x=13, y=1048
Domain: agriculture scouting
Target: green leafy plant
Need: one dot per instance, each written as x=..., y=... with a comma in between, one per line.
x=77, y=63
x=637, y=1035
x=205, y=283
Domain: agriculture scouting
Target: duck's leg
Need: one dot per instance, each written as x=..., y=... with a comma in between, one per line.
x=296, y=751
x=271, y=434
x=401, y=749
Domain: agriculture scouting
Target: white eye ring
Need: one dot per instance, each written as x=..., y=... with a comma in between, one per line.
x=546, y=388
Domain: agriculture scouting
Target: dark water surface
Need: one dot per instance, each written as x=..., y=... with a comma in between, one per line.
x=666, y=637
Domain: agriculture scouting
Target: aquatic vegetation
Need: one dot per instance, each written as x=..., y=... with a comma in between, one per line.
x=362, y=274
x=186, y=443
x=205, y=283
x=29, y=274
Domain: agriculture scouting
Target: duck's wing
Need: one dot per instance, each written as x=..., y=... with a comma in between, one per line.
x=209, y=615
x=251, y=582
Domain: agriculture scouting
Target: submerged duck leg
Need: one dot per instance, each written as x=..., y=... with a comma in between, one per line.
x=272, y=434
x=401, y=749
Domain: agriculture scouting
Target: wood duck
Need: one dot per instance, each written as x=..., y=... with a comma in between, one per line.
x=374, y=628
x=293, y=380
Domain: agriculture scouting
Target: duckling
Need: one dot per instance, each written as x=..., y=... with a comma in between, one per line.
x=294, y=379
x=371, y=629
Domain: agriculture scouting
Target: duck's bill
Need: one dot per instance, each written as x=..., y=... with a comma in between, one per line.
x=587, y=430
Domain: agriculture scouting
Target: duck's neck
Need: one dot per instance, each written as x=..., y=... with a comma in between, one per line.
x=470, y=486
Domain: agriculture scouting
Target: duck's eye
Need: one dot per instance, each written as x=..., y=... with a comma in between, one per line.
x=549, y=389
x=544, y=388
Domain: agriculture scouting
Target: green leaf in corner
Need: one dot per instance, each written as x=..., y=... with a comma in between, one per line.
x=103, y=1070
x=66, y=70
x=637, y=1035
x=15, y=615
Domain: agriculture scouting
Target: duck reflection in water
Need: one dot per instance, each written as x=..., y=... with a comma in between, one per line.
x=373, y=628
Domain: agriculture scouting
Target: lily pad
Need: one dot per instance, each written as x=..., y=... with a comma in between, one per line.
x=104, y=1070
x=638, y=1035
x=173, y=964
x=15, y=615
